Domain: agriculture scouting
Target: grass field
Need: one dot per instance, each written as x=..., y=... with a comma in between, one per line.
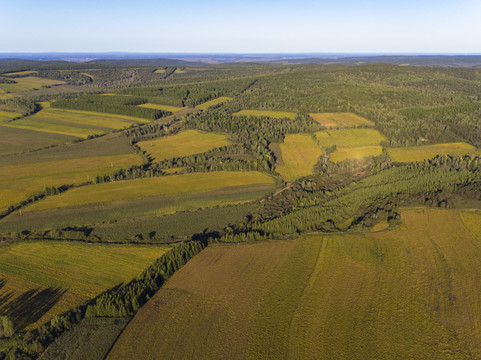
x=14, y=140
x=42, y=279
x=18, y=182
x=160, y=71
x=300, y=153
x=29, y=83
x=8, y=115
x=420, y=153
x=214, y=102
x=355, y=153
x=73, y=122
x=26, y=72
x=172, y=109
x=188, y=142
x=272, y=114
x=472, y=221
x=340, y=120
x=138, y=188
x=407, y=293
x=349, y=138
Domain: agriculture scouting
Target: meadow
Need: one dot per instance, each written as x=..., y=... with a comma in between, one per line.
x=29, y=83
x=172, y=109
x=188, y=142
x=267, y=113
x=18, y=182
x=42, y=279
x=139, y=188
x=340, y=120
x=8, y=115
x=415, y=288
x=20, y=73
x=358, y=152
x=424, y=152
x=74, y=122
x=349, y=138
x=300, y=153
x=213, y=102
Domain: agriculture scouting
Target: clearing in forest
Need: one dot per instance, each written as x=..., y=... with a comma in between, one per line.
x=213, y=102
x=424, y=152
x=185, y=143
x=20, y=73
x=267, y=113
x=160, y=71
x=340, y=120
x=29, y=83
x=172, y=109
x=300, y=153
x=8, y=115
x=349, y=138
x=74, y=122
x=411, y=292
x=146, y=187
x=358, y=152
x=42, y=279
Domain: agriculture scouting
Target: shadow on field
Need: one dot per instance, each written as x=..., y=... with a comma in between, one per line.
x=31, y=306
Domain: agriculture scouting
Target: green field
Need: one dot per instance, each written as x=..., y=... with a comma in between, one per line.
x=160, y=71
x=42, y=279
x=138, y=188
x=21, y=73
x=349, y=138
x=172, y=109
x=29, y=83
x=188, y=142
x=340, y=120
x=214, y=102
x=8, y=115
x=355, y=153
x=424, y=152
x=300, y=153
x=18, y=182
x=267, y=113
x=407, y=293
x=74, y=123
x=14, y=140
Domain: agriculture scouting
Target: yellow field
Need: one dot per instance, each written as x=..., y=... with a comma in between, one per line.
x=340, y=120
x=188, y=142
x=272, y=114
x=424, y=152
x=74, y=122
x=214, y=102
x=88, y=75
x=29, y=83
x=4, y=95
x=8, y=115
x=27, y=72
x=408, y=293
x=138, y=188
x=172, y=109
x=179, y=71
x=349, y=138
x=300, y=153
x=43, y=279
x=160, y=71
x=355, y=153
x=472, y=221
x=18, y=182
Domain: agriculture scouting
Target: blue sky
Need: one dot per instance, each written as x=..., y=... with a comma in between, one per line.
x=262, y=26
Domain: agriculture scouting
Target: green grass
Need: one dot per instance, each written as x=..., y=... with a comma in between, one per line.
x=74, y=123
x=20, y=73
x=160, y=71
x=43, y=279
x=14, y=140
x=172, y=109
x=138, y=188
x=300, y=153
x=18, y=182
x=29, y=83
x=420, y=153
x=214, y=102
x=340, y=120
x=188, y=142
x=8, y=115
x=407, y=293
x=355, y=153
x=472, y=221
x=268, y=113
x=349, y=138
